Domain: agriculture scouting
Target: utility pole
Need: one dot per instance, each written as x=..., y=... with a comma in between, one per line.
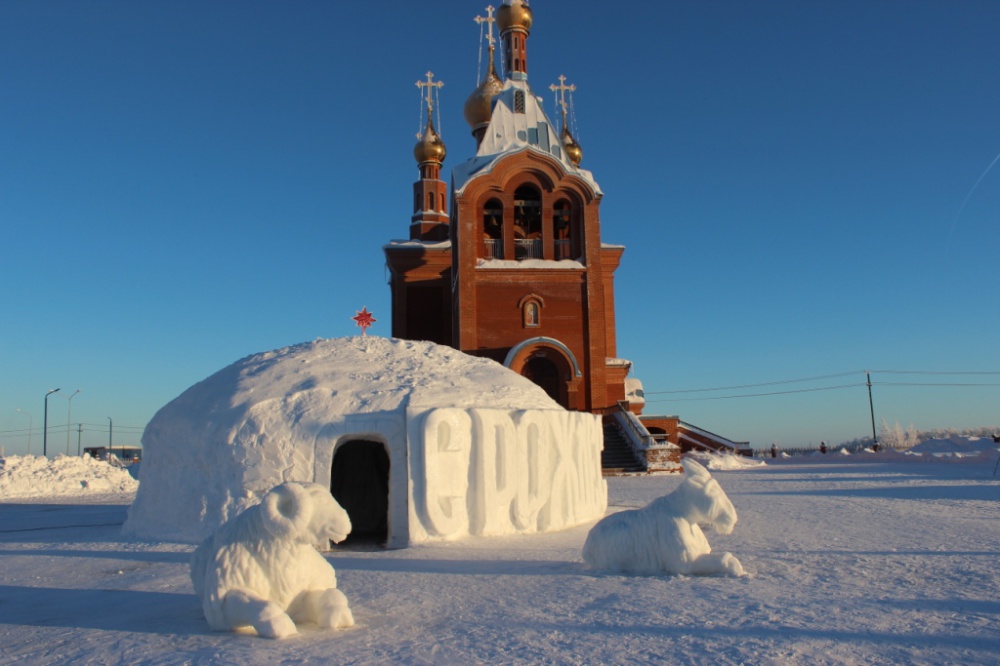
x=871, y=406
x=79, y=432
x=111, y=425
x=45, y=425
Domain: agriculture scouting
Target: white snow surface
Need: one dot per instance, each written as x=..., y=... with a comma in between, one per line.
x=867, y=559
x=474, y=448
x=38, y=476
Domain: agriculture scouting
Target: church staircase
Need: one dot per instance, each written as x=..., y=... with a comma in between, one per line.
x=617, y=458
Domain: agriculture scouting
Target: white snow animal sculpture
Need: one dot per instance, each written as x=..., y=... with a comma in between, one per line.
x=260, y=569
x=665, y=536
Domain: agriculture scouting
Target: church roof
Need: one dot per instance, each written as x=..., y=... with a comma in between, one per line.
x=518, y=123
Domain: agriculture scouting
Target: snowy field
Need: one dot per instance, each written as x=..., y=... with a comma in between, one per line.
x=851, y=560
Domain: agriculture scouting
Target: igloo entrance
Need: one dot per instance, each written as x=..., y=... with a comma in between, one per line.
x=359, y=481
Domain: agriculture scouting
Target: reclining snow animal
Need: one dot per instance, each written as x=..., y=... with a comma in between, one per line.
x=260, y=569
x=664, y=536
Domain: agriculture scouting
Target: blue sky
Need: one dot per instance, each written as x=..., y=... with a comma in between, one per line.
x=186, y=183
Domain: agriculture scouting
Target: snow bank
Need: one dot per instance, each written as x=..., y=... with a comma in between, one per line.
x=37, y=476
x=956, y=446
x=725, y=461
x=473, y=448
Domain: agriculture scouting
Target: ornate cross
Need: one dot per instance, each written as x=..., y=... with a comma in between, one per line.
x=490, y=20
x=364, y=319
x=430, y=84
x=561, y=89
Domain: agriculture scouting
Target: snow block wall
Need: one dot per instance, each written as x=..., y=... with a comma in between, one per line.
x=473, y=448
x=489, y=472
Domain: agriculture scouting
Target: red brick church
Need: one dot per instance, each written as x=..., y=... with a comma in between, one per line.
x=508, y=262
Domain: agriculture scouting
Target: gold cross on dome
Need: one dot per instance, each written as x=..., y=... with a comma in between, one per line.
x=561, y=89
x=490, y=20
x=430, y=84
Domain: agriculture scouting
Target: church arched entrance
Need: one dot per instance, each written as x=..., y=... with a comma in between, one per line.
x=359, y=481
x=545, y=373
x=551, y=365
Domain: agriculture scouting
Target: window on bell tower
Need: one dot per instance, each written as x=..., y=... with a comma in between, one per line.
x=562, y=230
x=527, y=223
x=493, y=229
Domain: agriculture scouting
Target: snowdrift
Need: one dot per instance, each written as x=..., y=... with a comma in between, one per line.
x=37, y=476
x=471, y=447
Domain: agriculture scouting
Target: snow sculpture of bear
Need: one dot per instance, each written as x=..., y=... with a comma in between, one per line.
x=260, y=569
x=664, y=536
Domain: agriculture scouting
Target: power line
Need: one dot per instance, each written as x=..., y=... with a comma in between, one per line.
x=744, y=386
x=819, y=377
x=758, y=395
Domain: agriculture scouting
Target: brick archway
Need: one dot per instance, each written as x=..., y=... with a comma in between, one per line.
x=550, y=364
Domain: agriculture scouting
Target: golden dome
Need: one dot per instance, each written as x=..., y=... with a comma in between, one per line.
x=573, y=150
x=430, y=147
x=479, y=106
x=516, y=14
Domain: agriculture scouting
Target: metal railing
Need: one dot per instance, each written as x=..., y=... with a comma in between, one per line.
x=527, y=249
x=494, y=248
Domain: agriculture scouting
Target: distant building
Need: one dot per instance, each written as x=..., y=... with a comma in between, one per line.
x=127, y=454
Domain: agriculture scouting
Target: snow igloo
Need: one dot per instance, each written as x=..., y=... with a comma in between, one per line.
x=416, y=440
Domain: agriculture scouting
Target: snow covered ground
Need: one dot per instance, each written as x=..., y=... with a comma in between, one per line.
x=885, y=559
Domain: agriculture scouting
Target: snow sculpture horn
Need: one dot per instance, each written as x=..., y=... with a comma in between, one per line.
x=287, y=510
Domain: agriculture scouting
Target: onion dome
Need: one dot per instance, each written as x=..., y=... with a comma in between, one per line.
x=514, y=14
x=479, y=106
x=573, y=150
x=430, y=147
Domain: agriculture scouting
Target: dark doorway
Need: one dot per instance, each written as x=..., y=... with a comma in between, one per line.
x=545, y=373
x=359, y=481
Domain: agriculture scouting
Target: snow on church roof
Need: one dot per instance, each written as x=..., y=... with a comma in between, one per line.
x=517, y=123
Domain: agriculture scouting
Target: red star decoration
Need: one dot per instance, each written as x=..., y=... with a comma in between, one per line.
x=364, y=319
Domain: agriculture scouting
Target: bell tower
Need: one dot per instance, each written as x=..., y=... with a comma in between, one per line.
x=420, y=268
x=528, y=281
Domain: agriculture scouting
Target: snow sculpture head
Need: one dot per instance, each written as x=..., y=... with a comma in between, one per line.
x=665, y=536
x=708, y=503
x=305, y=513
x=260, y=569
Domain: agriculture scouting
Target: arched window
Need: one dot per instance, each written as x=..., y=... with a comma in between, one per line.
x=562, y=230
x=493, y=229
x=430, y=201
x=527, y=223
x=531, y=315
x=531, y=310
x=518, y=98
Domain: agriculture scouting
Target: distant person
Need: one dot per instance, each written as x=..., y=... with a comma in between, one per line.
x=774, y=450
x=822, y=448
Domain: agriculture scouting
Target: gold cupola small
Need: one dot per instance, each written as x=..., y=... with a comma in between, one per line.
x=479, y=106
x=573, y=150
x=430, y=147
x=514, y=14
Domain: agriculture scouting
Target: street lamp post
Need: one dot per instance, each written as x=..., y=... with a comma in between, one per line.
x=45, y=425
x=69, y=416
x=29, y=428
